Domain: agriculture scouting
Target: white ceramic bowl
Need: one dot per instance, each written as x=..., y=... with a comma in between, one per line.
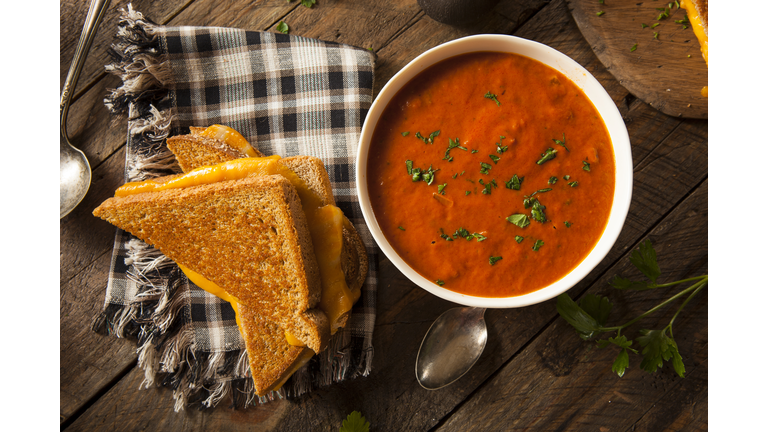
x=577, y=74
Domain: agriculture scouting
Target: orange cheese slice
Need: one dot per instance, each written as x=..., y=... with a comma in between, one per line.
x=231, y=137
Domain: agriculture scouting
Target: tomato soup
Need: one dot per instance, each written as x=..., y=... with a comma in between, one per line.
x=491, y=174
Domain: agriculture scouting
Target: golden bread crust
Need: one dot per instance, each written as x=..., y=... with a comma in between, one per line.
x=248, y=236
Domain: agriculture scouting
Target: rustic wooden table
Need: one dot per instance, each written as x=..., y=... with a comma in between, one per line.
x=535, y=372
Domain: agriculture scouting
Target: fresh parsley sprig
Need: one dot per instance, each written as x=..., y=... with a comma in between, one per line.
x=355, y=422
x=589, y=316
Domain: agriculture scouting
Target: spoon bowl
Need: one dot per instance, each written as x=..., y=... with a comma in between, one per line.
x=451, y=347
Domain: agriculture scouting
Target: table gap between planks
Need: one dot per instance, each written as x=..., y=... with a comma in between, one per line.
x=535, y=373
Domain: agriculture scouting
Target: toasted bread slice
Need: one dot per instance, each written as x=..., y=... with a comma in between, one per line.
x=248, y=236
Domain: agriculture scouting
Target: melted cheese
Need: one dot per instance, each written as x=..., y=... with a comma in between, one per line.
x=231, y=137
x=324, y=223
x=700, y=31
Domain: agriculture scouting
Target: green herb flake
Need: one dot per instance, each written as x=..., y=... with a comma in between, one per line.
x=567, y=224
x=600, y=13
x=500, y=149
x=430, y=139
x=561, y=143
x=441, y=188
x=552, y=180
x=494, y=259
x=282, y=27
x=656, y=35
x=518, y=219
x=467, y=193
x=440, y=282
x=446, y=237
x=455, y=175
x=409, y=166
x=475, y=151
x=308, y=3
x=573, y=184
x=586, y=166
x=566, y=177
x=519, y=239
x=634, y=47
x=404, y=133
x=401, y=228
x=494, y=158
x=515, y=182
x=537, y=211
x=644, y=25
x=485, y=168
x=547, y=156
x=538, y=245
x=492, y=97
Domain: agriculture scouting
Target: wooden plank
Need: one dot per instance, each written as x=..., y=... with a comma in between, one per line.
x=665, y=70
x=71, y=19
x=560, y=382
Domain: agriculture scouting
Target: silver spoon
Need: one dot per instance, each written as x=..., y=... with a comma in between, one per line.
x=451, y=347
x=74, y=169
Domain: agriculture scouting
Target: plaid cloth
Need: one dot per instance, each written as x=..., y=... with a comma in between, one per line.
x=286, y=95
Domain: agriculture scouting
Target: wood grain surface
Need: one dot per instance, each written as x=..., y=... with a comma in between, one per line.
x=665, y=70
x=535, y=374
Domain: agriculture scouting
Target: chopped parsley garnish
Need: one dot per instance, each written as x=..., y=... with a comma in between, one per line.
x=405, y=133
x=475, y=151
x=440, y=282
x=485, y=168
x=454, y=176
x=515, y=182
x=401, y=228
x=494, y=158
x=634, y=47
x=417, y=174
x=561, y=143
x=644, y=25
x=282, y=27
x=656, y=35
x=586, y=166
x=441, y=188
x=493, y=259
x=519, y=239
x=538, y=192
x=446, y=237
x=547, y=156
x=552, y=180
x=452, y=144
x=600, y=13
x=537, y=245
x=500, y=148
x=566, y=177
x=463, y=233
x=573, y=184
x=537, y=211
x=520, y=220
x=430, y=139
x=567, y=224
x=654, y=25
x=467, y=193
x=492, y=97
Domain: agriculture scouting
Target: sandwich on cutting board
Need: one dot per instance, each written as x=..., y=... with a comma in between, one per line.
x=260, y=232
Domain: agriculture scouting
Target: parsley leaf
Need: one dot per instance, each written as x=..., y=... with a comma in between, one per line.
x=573, y=184
x=492, y=96
x=561, y=143
x=282, y=27
x=485, y=168
x=547, y=156
x=657, y=348
x=440, y=282
x=644, y=258
x=441, y=188
x=518, y=219
x=494, y=158
x=430, y=139
x=586, y=166
x=586, y=325
x=537, y=211
x=537, y=245
x=567, y=224
x=355, y=422
x=308, y=3
x=519, y=239
x=500, y=148
x=515, y=182
x=404, y=133
x=493, y=259
x=401, y=228
x=552, y=180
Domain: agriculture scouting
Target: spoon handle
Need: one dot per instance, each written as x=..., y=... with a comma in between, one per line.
x=92, y=20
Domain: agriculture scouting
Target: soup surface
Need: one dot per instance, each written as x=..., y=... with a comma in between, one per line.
x=491, y=174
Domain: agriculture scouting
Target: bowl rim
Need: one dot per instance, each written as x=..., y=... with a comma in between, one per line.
x=585, y=81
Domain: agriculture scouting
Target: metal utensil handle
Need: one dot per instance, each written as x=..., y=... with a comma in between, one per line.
x=92, y=20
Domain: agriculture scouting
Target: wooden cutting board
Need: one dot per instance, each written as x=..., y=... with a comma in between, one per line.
x=667, y=72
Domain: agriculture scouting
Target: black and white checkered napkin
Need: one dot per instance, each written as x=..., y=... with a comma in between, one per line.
x=286, y=95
